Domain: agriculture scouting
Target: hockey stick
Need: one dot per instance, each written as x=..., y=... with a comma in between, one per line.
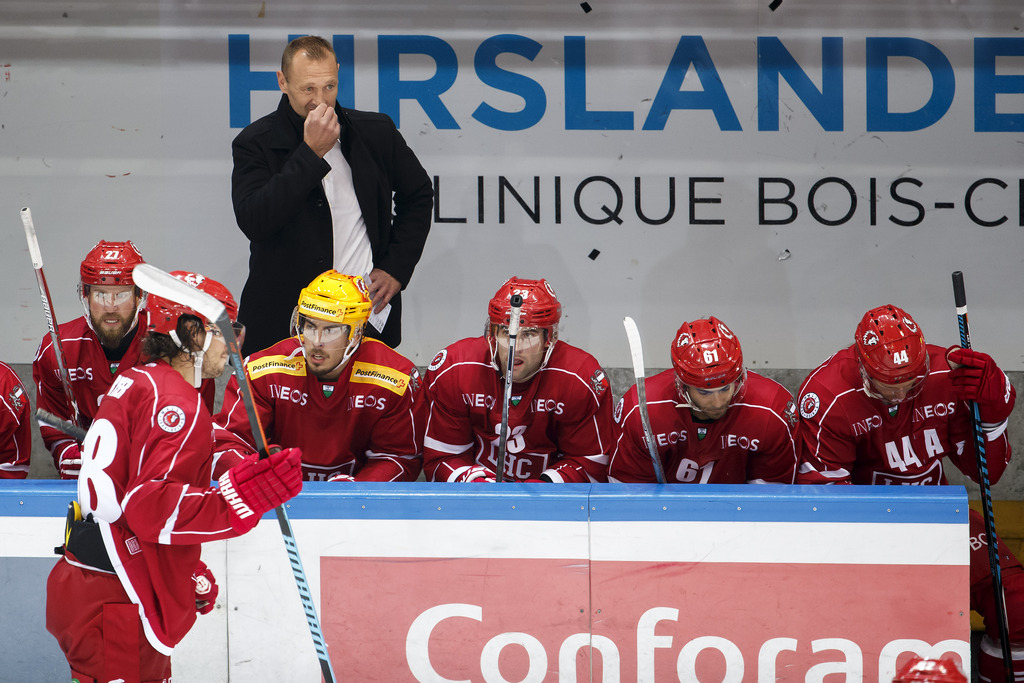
x=960, y=299
x=66, y=426
x=636, y=350
x=162, y=284
x=51, y=320
x=516, y=302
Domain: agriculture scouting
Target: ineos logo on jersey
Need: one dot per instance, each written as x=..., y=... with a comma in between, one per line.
x=936, y=410
x=77, y=374
x=288, y=394
x=548, y=405
x=671, y=438
x=171, y=419
x=866, y=425
x=478, y=401
x=438, y=360
x=744, y=442
x=360, y=401
x=809, y=405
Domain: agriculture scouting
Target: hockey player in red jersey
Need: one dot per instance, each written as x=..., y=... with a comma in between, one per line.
x=889, y=409
x=559, y=426
x=15, y=428
x=714, y=422
x=131, y=580
x=353, y=405
x=98, y=346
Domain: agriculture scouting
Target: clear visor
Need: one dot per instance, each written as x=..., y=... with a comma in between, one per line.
x=322, y=332
x=892, y=394
x=110, y=297
x=237, y=327
x=527, y=338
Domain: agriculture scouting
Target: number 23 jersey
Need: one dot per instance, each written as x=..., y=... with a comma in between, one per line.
x=560, y=420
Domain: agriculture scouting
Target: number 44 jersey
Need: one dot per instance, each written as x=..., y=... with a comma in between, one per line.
x=848, y=436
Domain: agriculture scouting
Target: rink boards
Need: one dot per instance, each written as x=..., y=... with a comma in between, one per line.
x=530, y=582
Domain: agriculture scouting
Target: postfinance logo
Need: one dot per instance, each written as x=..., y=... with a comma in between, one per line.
x=270, y=365
x=381, y=375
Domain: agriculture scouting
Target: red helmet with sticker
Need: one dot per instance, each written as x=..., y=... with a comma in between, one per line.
x=919, y=670
x=110, y=263
x=706, y=354
x=890, y=346
x=540, y=305
x=163, y=313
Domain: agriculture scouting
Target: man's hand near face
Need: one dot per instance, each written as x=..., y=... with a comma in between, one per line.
x=321, y=129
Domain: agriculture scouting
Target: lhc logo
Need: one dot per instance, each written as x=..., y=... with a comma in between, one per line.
x=194, y=279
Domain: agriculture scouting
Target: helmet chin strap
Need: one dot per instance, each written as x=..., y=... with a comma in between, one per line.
x=197, y=356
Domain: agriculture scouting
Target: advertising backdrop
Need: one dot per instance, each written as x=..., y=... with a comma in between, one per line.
x=784, y=166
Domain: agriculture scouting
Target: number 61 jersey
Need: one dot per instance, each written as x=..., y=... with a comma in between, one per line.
x=560, y=420
x=751, y=443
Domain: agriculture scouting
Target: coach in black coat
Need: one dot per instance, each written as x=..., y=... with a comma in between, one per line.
x=281, y=207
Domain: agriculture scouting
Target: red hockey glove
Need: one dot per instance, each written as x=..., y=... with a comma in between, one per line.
x=256, y=486
x=342, y=477
x=477, y=473
x=70, y=461
x=976, y=377
x=206, y=588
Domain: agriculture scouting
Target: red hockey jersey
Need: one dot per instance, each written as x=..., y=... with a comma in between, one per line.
x=560, y=420
x=846, y=436
x=752, y=443
x=15, y=428
x=146, y=473
x=90, y=372
x=367, y=424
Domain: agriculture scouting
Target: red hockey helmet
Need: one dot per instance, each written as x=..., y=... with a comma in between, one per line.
x=540, y=310
x=540, y=305
x=919, y=670
x=110, y=263
x=890, y=346
x=706, y=354
x=163, y=313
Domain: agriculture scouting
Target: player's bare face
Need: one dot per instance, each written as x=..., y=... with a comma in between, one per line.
x=710, y=404
x=324, y=344
x=309, y=83
x=216, y=356
x=529, y=354
x=112, y=310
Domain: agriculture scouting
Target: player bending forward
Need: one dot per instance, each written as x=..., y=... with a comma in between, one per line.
x=559, y=425
x=887, y=410
x=353, y=405
x=131, y=580
x=714, y=422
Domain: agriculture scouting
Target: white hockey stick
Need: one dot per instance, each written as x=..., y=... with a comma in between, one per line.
x=516, y=301
x=156, y=281
x=51, y=319
x=636, y=350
